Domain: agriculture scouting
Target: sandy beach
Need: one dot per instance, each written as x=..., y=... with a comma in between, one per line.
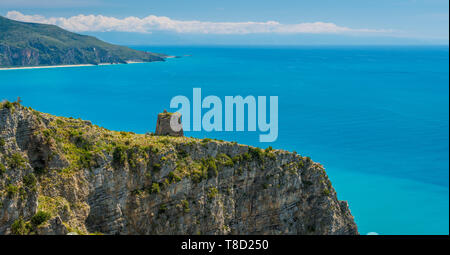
x=59, y=66
x=41, y=67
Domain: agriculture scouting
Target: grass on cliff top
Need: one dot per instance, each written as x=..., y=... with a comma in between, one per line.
x=84, y=145
x=81, y=141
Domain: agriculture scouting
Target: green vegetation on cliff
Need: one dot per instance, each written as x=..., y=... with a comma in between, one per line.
x=60, y=175
x=32, y=44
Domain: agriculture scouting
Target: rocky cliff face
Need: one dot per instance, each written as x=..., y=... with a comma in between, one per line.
x=60, y=175
x=38, y=55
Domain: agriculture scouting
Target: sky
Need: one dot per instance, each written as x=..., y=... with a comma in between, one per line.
x=292, y=22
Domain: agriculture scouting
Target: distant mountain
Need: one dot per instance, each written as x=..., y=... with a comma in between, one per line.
x=32, y=44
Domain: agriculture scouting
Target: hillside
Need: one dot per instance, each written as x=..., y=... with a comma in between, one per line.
x=60, y=175
x=32, y=44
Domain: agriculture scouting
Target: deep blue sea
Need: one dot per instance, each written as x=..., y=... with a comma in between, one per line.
x=377, y=118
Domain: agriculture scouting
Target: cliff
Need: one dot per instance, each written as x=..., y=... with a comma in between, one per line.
x=32, y=44
x=60, y=175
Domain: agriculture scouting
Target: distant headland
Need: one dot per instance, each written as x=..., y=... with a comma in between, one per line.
x=39, y=45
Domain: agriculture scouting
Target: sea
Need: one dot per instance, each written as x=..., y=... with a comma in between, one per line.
x=376, y=117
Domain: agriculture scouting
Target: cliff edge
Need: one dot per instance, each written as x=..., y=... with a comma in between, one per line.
x=61, y=175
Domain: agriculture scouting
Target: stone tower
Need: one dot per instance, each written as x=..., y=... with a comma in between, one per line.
x=164, y=126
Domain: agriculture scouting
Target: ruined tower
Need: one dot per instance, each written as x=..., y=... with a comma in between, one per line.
x=169, y=124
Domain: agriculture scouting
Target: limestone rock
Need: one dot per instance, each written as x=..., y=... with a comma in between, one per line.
x=54, y=226
x=94, y=180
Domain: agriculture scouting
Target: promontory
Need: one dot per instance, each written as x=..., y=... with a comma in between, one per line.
x=25, y=44
x=62, y=175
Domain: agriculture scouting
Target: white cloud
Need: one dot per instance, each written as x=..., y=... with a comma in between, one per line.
x=100, y=23
x=47, y=3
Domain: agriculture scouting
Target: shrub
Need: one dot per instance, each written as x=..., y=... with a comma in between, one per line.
x=236, y=159
x=11, y=190
x=16, y=161
x=86, y=159
x=212, y=192
x=47, y=133
x=155, y=188
x=72, y=133
x=156, y=167
x=2, y=142
x=22, y=193
x=19, y=227
x=271, y=155
x=164, y=141
x=2, y=169
x=225, y=160
x=119, y=155
x=211, y=167
x=7, y=105
x=154, y=150
x=256, y=153
x=185, y=206
x=246, y=156
x=29, y=180
x=40, y=218
x=82, y=142
x=229, y=163
x=198, y=175
x=173, y=178
x=206, y=140
x=132, y=159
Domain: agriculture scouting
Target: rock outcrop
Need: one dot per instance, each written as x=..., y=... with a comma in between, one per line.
x=62, y=175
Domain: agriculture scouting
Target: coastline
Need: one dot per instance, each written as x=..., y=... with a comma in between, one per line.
x=42, y=67
x=81, y=65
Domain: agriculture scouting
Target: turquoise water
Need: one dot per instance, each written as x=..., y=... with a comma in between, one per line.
x=376, y=117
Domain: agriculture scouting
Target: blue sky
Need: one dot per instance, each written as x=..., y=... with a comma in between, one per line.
x=246, y=21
